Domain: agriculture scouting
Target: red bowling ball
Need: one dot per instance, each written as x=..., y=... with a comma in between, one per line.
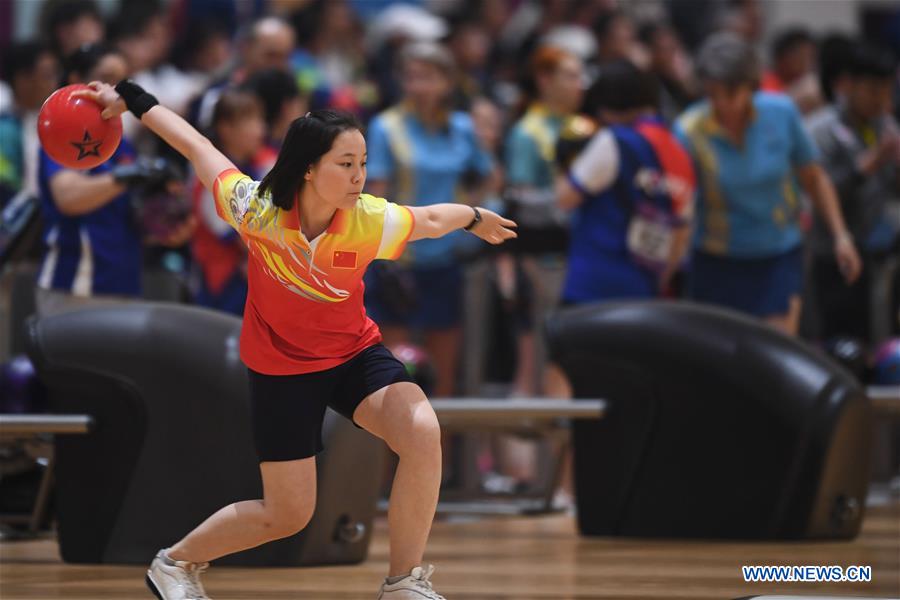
x=72, y=131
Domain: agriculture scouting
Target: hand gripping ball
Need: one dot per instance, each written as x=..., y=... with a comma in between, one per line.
x=73, y=133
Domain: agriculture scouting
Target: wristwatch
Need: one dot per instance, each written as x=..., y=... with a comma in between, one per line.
x=475, y=220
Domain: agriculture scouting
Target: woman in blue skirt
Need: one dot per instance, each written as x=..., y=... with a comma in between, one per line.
x=750, y=150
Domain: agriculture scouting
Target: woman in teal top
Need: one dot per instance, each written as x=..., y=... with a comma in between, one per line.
x=749, y=150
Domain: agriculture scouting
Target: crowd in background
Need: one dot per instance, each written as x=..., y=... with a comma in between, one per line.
x=705, y=164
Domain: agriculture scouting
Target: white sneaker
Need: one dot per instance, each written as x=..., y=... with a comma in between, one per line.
x=176, y=579
x=415, y=586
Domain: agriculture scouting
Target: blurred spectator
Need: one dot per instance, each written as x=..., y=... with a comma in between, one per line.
x=421, y=152
x=632, y=188
x=617, y=40
x=671, y=65
x=238, y=130
x=488, y=122
x=69, y=24
x=143, y=34
x=509, y=461
x=281, y=102
x=748, y=147
x=99, y=61
x=793, y=70
x=265, y=44
x=532, y=23
x=471, y=45
x=860, y=144
x=395, y=27
x=556, y=89
x=93, y=244
x=834, y=54
x=205, y=50
x=694, y=19
x=330, y=62
x=268, y=44
x=744, y=18
x=230, y=14
x=32, y=72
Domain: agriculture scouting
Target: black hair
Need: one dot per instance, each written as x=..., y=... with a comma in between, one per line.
x=273, y=87
x=603, y=24
x=870, y=61
x=648, y=31
x=22, y=58
x=198, y=34
x=307, y=21
x=235, y=104
x=83, y=60
x=621, y=86
x=307, y=139
x=63, y=12
x=834, y=60
x=789, y=40
x=133, y=18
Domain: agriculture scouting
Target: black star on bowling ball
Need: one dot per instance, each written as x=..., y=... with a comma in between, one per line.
x=87, y=146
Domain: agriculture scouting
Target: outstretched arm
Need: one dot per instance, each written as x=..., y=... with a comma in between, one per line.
x=438, y=220
x=207, y=161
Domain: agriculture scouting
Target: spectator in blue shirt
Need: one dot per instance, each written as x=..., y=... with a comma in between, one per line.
x=420, y=153
x=632, y=192
x=749, y=149
x=92, y=244
x=33, y=73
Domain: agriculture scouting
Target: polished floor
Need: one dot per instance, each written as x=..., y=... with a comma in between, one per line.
x=503, y=558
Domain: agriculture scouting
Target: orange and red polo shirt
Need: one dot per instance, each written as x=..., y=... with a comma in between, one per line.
x=304, y=310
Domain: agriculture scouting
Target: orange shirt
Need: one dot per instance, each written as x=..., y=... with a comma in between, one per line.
x=304, y=308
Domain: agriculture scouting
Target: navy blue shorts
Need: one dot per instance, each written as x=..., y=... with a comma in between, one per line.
x=288, y=410
x=758, y=286
x=436, y=302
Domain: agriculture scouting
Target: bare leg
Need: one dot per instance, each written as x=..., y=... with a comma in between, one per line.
x=788, y=323
x=289, y=498
x=557, y=385
x=516, y=458
x=401, y=415
x=523, y=380
x=443, y=348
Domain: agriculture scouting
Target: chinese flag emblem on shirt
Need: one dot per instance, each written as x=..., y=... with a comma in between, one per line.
x=342, y=259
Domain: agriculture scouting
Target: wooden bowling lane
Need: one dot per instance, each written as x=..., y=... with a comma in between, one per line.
x=503, y=559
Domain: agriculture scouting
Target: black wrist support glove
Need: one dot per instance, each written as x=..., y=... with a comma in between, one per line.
x=136, y=99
